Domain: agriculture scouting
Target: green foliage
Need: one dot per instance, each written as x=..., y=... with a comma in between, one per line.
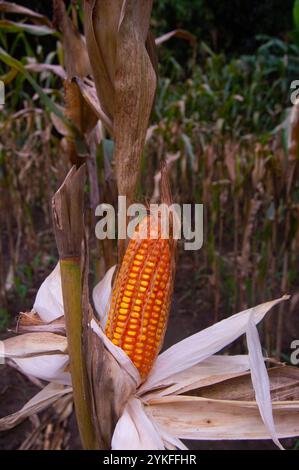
x=296, y=14
x=23, y=280
x=244, y=95
x=4, y=319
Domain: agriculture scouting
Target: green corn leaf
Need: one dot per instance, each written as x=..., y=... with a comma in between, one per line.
x=49, y=104
x=296, y=14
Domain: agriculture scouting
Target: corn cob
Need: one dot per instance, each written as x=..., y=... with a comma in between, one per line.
x=141, y=298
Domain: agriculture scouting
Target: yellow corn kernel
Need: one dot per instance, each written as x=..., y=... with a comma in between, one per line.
x=133, y=275
x=145, y=276
x=138, y=351
x=124, y=305
x=141, y=298
x=128, y=293
x=135, y=315
x=132, y=333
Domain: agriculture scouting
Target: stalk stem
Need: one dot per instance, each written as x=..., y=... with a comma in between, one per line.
x=71, y=288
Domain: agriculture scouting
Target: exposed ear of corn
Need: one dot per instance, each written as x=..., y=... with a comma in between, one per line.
x=141, y=296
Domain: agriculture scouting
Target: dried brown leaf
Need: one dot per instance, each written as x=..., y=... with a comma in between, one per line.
x=178, y=33
x=9, y=7
x=75, y=53
x=135, y=87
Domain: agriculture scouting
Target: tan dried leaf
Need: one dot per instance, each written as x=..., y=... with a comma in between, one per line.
x=203, y=418
x=284, y=385
x=122, y=55
x=178, y=33
x=31, y=322
x=46, y=397
x=34, y=344
x=75, y=53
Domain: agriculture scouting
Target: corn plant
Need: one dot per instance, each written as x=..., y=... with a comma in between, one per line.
x=106, y=356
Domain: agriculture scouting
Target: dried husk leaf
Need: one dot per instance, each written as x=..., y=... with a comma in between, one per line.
x=170, y=442
x=213, y=370
x=41, y=355
x=111, y=387
x=46, y=397
x=119, y=355
x=135, y=430
x=135, y=88
x=201, y=418
x=67, y=206
x=75, y=53
x=122, y=55
x=48, y=302
x=101, y=296
x=33, y=344
x=101, y=22
x=260, y=379
x=284, y=386
x=89, y=94
x=31, y=322
x=49, y=367
x=204, y=344
x=77, y=109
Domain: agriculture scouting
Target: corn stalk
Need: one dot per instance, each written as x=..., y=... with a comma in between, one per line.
x=68, y=225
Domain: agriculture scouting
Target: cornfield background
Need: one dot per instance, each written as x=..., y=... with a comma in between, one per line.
x=222, y=122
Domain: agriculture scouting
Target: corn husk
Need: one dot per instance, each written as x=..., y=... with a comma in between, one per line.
x=157, y=414
x=76, y=59
x=121, y=52
x=49, y=303
x=200, y=418
x=46, y=397
x=32, y=322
